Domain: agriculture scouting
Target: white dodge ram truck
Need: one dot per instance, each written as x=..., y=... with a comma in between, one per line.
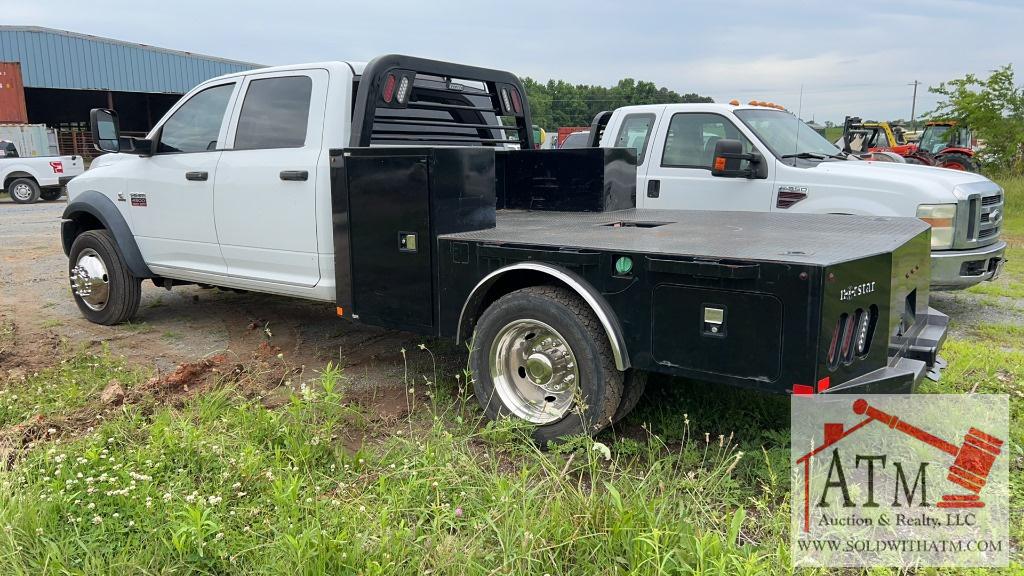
x=28, y=180
x=779, y=164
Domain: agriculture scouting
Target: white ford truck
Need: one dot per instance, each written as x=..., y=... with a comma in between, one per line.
x=29, y=179
x=779, y=164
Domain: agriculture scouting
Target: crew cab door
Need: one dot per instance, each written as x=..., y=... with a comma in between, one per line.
x=170, y=194
x=268, y=177
x=678, y=174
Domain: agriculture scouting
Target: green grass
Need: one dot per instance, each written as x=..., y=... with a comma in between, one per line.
x=700, y=485
x=225, y=486
x=56, y=392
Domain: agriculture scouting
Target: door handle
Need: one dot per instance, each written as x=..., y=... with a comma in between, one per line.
x=653, y=188
x=197, y=176
x=297, y=175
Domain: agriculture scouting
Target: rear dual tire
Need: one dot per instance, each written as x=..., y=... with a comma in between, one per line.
x=541, y=355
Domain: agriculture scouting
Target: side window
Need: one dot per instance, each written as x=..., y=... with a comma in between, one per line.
x=691, y=139
x=274, y=113
x=194, y=126
x=634, y=133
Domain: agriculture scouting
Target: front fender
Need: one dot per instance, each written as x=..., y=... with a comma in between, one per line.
x=101, y=208
x=957, y=150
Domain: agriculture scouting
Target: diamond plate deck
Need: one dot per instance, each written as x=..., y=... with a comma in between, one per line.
x=808, y=238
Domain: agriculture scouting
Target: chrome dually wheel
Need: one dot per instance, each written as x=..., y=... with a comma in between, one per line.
x=89, y=280
x=540, y=355
x=534, y=371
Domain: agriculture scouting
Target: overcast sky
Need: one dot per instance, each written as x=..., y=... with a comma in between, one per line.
x=850, y=57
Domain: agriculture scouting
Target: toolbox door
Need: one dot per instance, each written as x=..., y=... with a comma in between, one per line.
x=392, y=280
x=723, y=332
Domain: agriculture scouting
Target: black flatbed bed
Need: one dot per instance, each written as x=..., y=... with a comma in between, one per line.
x=767, y=237
x=437, y=231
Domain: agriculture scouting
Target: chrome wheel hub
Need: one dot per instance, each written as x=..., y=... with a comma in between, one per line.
x=22, y=191
x=89, y=280
x=534, y=371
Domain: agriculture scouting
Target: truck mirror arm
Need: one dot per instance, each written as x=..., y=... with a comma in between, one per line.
x=139, y=146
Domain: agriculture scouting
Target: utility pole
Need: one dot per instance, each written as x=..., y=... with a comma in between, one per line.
x=913, y=107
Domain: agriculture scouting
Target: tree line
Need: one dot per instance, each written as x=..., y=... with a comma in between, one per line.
x=559, y=103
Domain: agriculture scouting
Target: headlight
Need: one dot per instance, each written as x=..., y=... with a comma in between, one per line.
x=941, y=217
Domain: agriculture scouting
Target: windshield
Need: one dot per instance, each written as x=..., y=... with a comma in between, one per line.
x=784, y=133
x=935, y=138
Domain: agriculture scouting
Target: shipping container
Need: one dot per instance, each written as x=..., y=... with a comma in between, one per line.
x=12, y=94
x=29, y=139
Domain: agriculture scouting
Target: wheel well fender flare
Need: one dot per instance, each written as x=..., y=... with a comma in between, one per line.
x=16, y=174
x=92, y=207
x=478, y=298
x=956, y=150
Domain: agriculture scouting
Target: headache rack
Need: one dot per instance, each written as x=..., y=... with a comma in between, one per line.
x=408, y=101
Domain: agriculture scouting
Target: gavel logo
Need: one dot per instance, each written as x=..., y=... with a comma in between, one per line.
x=972, y=460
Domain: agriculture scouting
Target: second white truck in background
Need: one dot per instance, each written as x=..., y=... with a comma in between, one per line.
x=757, y=158
x=30, y=179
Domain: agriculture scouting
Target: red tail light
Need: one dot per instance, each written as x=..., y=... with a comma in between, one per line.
x=833, y=347
x=389, y=88
x=517, y=103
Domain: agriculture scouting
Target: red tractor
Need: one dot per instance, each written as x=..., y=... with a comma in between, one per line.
x=950, y=144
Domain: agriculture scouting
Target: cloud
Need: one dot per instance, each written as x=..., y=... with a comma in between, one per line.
x=849, y=58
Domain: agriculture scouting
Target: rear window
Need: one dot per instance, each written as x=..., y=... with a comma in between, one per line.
x=274, y=114
x=634, y=133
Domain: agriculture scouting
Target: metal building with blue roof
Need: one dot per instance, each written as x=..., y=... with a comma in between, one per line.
x=65, y=74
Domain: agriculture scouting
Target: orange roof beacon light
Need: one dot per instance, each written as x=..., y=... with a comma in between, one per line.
x=752, y=103
x=734, y=102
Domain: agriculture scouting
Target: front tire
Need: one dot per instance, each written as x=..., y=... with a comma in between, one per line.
x=541, y=355
x=24, y=190
x=103, y=287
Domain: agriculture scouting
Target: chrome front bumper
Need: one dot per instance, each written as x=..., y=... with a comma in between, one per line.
x=959, y=269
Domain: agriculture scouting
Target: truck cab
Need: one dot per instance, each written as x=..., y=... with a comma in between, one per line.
x=788, y=167
x=233, y=186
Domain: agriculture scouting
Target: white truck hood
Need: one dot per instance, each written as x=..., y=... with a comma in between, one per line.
x=928, y=183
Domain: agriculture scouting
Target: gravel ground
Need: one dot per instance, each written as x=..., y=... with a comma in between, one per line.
x=188, y=323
